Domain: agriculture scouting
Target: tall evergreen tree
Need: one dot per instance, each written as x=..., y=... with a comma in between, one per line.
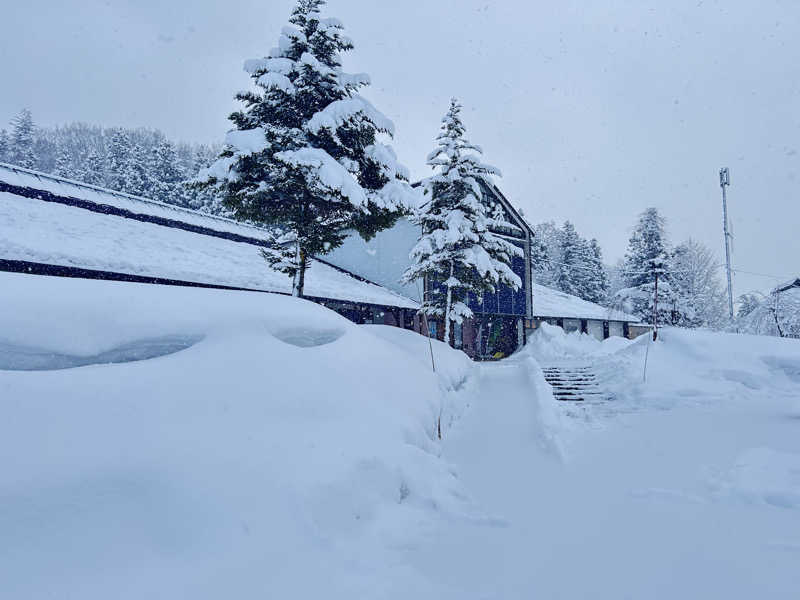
x=572, y=264
x=305, y=155
x=457, y=253
x=645, y=266
x=22, y=132
x=93, y=169
x=63, y=166
x=4, y=146
x=166, y=175
x=596, y=278
x=202, y=198
x=117, y=157
x=647, y=248
x=138, y=179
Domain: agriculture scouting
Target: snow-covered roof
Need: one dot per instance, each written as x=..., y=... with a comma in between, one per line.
x=68, y=188
x=60, y=234
x=551, y=303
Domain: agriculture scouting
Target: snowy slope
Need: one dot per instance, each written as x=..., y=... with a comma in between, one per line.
x=287, y=453
x=37, y=231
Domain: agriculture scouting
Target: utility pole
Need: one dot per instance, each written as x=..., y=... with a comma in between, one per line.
x=724, y=182
x=655, y=310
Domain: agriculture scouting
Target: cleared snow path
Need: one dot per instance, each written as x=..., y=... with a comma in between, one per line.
x=647, y=505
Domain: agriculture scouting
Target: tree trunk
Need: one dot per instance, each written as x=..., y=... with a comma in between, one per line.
x=447, y=308
x=296, y=287
x=301, y=272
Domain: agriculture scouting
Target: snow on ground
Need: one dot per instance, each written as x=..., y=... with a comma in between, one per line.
x=286, y=453
x=289, y=453
x=683, y=487
x=37, y=231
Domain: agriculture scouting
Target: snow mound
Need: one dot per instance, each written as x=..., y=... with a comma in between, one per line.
x=550, y=342
x=286, y=441
x=452, y=366
x=454, y=370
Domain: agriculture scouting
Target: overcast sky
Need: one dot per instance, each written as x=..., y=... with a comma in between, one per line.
x=593, y=110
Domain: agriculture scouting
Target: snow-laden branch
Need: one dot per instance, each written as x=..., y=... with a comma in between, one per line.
x=348, y=111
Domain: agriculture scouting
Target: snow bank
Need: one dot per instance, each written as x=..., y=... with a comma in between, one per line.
x=551, y=342
x=453, y=367
x=548, y=425
x=287, y=453
x=708, y=365
x=456, y=373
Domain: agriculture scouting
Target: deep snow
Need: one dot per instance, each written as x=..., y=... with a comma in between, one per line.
x=289, y=453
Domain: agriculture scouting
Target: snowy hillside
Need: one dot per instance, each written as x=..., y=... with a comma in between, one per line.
x=262, y=447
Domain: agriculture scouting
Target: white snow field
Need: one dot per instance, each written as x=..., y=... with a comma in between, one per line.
x=271, y=449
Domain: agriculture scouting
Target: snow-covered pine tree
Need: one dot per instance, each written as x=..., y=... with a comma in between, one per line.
x=22, y=132
x=646, y=245
x=93, y=169
x=63, y=166
x=457, y=253
x=305, y=155
x=595, y=276
x=4, y=146
x=646, y=261
x=140, y=181
x=572, y=264
x=166, y=175
x=202, y=198
x=117, y=156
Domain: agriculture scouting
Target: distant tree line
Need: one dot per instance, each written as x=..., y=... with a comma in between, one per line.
x=564, y=260
x=142, y=162
x=690, y=292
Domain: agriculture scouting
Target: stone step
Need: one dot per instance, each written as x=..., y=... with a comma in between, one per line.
x=575, y=384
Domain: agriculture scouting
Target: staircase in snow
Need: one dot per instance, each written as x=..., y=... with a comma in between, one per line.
x=573, y=383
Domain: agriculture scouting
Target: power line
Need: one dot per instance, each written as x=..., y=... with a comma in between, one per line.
x=783, y=278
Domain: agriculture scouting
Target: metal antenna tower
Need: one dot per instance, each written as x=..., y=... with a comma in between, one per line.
x=724, y=182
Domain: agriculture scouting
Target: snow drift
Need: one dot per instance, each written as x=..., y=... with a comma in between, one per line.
x=283, y=441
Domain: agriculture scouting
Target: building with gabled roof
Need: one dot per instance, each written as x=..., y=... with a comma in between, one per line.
x=502, y=320
x=54, y=226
